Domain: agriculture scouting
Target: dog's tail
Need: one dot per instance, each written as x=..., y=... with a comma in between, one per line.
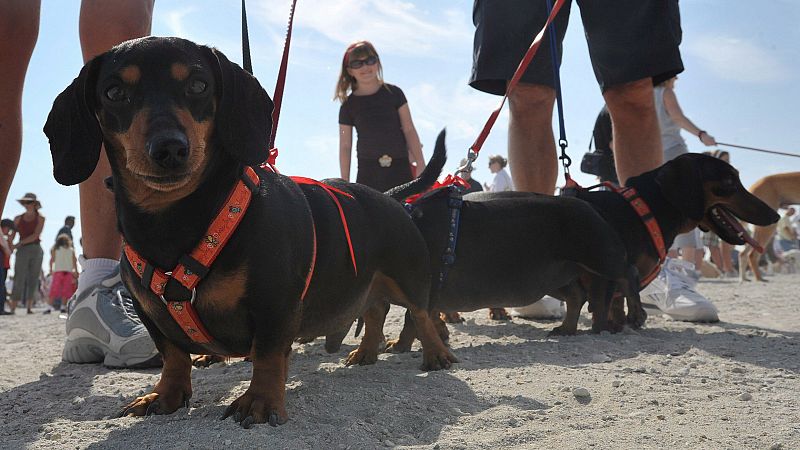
x=428, y=176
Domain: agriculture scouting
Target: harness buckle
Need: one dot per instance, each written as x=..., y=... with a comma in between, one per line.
x=166, y=302
x=191, y=300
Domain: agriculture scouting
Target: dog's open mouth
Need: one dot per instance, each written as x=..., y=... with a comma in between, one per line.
x=727, y=227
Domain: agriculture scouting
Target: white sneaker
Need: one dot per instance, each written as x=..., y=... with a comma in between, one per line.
x=546, y=308
x=673, y=293
x=102, y=326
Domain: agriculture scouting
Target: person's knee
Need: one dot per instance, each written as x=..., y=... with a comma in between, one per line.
x=634, y=99
x=532, y=102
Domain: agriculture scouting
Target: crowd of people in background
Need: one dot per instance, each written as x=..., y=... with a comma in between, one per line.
x=637, y=130
x=29, y=284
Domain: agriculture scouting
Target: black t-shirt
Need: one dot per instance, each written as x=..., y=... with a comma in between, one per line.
x=377, y=122
x=474, y=186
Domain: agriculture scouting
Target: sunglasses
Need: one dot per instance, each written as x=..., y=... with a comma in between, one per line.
x=358, y=63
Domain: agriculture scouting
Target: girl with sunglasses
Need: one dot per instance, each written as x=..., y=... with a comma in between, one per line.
x=388, y=144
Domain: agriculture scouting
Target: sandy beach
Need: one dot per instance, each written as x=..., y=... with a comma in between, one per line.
x=733, y=384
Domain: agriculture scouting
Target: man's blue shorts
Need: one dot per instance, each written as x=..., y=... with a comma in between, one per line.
x=628, y=40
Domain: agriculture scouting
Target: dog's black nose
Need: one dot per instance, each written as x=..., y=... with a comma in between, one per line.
x=169, y=150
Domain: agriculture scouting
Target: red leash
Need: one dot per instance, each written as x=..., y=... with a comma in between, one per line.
x=278, y=94
x=523, y=65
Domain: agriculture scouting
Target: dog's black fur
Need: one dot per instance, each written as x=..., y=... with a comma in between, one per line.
x=179, y=123
x=515, y=247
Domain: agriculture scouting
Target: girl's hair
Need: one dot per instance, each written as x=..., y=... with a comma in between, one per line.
x=719, y=154
x=499, y=160
x=62, y=240
x=347, y=83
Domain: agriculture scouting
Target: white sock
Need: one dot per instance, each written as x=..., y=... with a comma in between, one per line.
x=94, y=271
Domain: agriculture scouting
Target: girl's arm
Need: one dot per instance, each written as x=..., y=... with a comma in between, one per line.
x=345, y=150
x=52, y=258
x=74, y=265
x=676, y=114
x=412, y=138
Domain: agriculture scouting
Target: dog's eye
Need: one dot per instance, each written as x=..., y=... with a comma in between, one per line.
x=197, y=86
x=116, y=94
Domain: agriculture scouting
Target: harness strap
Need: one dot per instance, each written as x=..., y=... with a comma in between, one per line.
x=454, y=203
x=643, y=211
x=194, y=267
x=332, y=191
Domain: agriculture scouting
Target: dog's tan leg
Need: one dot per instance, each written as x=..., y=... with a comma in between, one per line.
x=373, y=341
x=403, y=342
x=435, y=354
x=264, y=400
x=574, y=295
x=172, y=391
x=441, y=326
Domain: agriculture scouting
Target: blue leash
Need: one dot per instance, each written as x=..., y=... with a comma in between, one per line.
x=566, y=161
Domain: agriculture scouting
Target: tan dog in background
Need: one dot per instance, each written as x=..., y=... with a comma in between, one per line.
x=774, y=190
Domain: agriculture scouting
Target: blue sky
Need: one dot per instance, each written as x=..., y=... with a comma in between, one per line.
x=740, y=83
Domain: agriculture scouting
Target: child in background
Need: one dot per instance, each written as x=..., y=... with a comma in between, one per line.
x=64, y=272
x=7, y=229
x=388, y=146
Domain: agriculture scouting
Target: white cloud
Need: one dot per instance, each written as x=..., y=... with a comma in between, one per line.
x=175, y=20
x=737, y=59
x=394, y=26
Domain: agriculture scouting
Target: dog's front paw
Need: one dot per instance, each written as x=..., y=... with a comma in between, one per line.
x=361, y=357
x=635, y=320
x=207, y=360
x=451, y=317
x=562, y=330
x=156, y=403
x=397, y=346
x=252, y=408
x=499, y=314
x=438, y=360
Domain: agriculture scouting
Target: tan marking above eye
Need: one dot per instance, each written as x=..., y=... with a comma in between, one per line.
x=179, y=71
x=130, y=74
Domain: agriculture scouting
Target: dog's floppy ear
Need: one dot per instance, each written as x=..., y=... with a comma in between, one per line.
x=680, y=182
x=244, y=112
x=73, y=129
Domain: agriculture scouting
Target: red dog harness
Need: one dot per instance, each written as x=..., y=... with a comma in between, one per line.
x=193, y=267
x=643, y=211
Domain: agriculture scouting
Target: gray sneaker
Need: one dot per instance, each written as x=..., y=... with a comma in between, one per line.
x=102, y=326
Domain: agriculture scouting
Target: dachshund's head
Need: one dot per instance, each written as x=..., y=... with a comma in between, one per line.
x=710, y=194
x=162, y=106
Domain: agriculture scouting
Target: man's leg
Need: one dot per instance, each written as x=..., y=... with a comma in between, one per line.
x=19, y=27
x=531, y=146
x=637, y=138
x=534, y=167
x=102, y=325
x=104, y=24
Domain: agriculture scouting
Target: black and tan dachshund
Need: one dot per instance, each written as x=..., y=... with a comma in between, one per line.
x=513, y=248
x=180, y=124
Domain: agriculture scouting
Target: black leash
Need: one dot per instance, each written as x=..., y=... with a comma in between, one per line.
x=247, y=64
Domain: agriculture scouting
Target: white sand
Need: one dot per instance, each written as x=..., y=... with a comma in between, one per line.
x=673, y=384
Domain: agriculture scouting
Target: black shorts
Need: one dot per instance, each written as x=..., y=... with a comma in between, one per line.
x=370, y=173
x=628, y=40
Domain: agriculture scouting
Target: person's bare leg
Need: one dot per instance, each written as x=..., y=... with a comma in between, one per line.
x=727, y=262
x=104, y=24
x=531, y=146
x=19, y=28
x=637, y=139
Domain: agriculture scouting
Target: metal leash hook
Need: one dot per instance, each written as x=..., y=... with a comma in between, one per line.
x=471, y=157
